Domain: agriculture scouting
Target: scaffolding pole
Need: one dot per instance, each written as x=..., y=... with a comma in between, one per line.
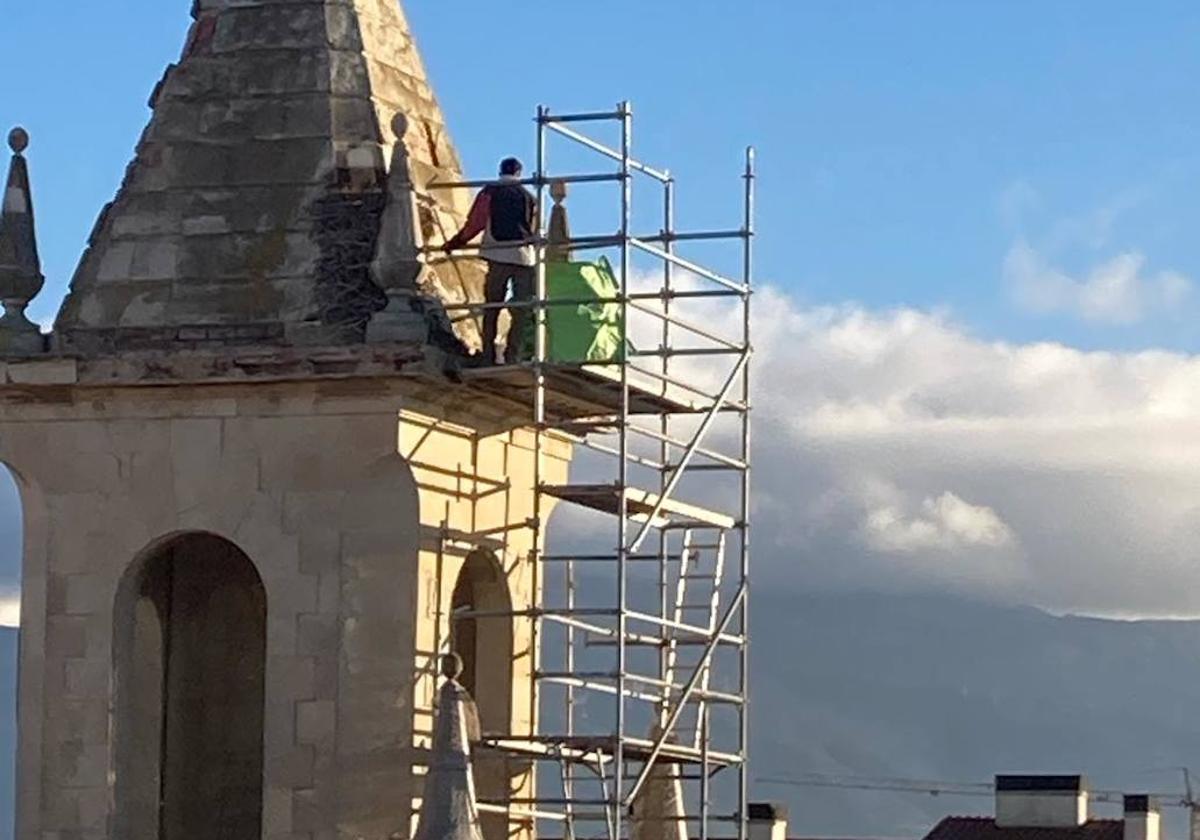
x=682, y=470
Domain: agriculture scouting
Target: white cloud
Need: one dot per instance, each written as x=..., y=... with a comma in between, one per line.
x=10, y=610
x=896, y=450
x=945, y=523
x=1117, y=291
x=1021, y=206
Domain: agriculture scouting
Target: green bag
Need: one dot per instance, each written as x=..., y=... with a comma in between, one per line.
x=581, y=331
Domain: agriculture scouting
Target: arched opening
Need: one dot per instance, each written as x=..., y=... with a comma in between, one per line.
x=11, y=548
x=485, y=643
x=190, y=656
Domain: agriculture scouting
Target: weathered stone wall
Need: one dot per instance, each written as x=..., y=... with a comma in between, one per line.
x=340, y=504
x=254, y=199
x=212, y=372
x=469, y=484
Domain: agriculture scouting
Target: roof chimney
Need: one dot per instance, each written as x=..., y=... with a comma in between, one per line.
x=1142, y=818
x=768, y=821
x=1041, y=802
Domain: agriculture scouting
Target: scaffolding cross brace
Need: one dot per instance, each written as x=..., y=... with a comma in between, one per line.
x=610, y=690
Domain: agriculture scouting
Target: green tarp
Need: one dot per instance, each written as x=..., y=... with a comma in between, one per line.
x=586, y=326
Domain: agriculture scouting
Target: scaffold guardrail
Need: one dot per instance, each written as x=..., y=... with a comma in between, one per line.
x=641, y=638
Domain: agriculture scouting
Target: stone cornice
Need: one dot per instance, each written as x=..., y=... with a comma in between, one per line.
x=225, y=365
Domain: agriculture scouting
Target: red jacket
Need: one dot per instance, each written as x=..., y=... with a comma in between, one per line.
x=505, y=213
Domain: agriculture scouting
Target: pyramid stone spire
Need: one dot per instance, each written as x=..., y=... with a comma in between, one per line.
x=252, y=211
x=20, y=268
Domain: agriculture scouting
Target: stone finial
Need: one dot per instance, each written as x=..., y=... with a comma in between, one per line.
x=448, y=809
x=658, y=812
x=18, y=140
x=452, y=666
x=559, y=249
x=400, y=128
x=399, y=263
x=20, y=268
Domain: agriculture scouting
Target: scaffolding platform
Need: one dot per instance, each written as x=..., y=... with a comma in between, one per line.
x=640, y=505
x=633, y=668
x=574, y=392
x=592, y=749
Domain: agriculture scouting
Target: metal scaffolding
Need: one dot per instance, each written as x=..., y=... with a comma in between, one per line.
x=640, y=636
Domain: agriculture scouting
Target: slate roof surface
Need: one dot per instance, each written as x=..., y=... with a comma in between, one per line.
x=985, y=828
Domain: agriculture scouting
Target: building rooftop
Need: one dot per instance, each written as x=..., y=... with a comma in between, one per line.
x=985, y=828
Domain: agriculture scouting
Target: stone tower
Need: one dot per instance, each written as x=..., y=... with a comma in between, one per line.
x=252, y=495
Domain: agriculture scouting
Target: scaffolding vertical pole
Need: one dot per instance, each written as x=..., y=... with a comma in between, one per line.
x=617, y=625
x=569, y=658
x=569, y=717
x=705, y=771
x=664, y=449
x=743, y=711
x=539, y=424
x=626, y=115
x=441, y=645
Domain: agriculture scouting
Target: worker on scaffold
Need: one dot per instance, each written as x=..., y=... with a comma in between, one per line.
x=506, y=214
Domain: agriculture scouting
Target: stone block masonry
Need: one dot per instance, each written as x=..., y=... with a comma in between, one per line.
x=332, y=491
x=255, y=195
x=250, y=491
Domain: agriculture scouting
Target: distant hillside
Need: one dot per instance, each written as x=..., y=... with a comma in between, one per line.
x=932, y=688
x=938, y=688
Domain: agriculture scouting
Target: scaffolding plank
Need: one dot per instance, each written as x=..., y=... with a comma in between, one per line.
x=586, y=748
x=640, y=504
x=575, y=392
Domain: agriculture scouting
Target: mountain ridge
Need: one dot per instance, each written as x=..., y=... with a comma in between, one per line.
x=937, y=687
x=929, y=687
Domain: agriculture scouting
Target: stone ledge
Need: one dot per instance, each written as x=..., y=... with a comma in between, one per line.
x=263, y=364
x=344, y=380
x=54, y=371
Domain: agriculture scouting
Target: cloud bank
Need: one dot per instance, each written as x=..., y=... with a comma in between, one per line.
x=1117, y=291
x=897, y=451
x=946, y=523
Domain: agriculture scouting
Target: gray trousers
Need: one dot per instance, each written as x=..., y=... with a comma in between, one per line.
x=524, y=278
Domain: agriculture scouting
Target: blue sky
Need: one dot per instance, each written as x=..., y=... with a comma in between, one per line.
x=906, y=148
x=936, y=177
x=976, y=226
x=944, y=186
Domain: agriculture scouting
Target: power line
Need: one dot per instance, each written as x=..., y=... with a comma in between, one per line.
x=895, y=785
x=939, y=787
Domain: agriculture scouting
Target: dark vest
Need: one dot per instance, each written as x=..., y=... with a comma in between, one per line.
x=512, y=209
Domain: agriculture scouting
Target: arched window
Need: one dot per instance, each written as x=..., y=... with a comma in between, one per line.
x=190, y=656
x=485, y=643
